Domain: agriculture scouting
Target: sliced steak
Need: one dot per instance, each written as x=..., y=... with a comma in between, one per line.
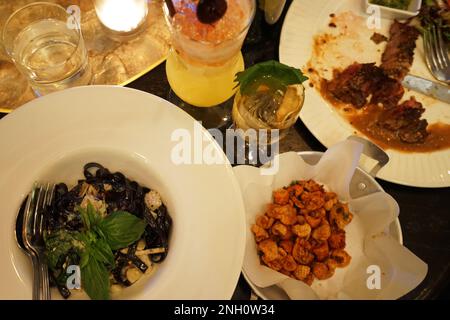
x=378, y=38
x=387, y=91
x=353, y=85
x=404, y=122
x=398, y=56
x=358, y=82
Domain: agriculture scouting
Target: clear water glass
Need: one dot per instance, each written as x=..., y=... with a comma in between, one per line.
x=46, y=44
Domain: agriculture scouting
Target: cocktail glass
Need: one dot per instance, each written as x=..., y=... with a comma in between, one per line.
x=204, y=58
x=263, y=115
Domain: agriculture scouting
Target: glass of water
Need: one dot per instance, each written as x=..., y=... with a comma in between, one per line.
x=46, y=44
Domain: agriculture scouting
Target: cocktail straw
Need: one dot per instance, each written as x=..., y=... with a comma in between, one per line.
x=171, y=7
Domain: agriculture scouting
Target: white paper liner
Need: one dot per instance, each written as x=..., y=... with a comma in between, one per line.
x=367, y=241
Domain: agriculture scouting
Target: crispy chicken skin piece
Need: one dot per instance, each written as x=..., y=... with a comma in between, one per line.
x=314, y=222
x=282, y=231
x=311, y=186
x=260, y=233
x=289, y=216
x=295, y=190
x=287, y=245
x=315, y=202
x=272, y=210
x=301, y=219
x=282, y=253
x=289, y=263
x=321, y=251
x=302, y=230
x=320, y=213
x=302, y=272
x=331, y=263
x=322, y=271
x=340, y=215
x=309, y=279
x=281, y=196
x=273, y=264
x=330, y=200
x=337, y=239
x=269, y=248
x=341, y=257
x=301, y=253
x=286, y=213
x=298, y=203
x=322, y=232
x=264, y=221
x=301, y=234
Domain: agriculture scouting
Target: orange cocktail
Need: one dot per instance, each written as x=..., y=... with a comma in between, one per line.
x=205, y=57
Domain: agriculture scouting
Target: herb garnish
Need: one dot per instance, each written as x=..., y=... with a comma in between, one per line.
x=283, y=74
x=94, y=246
x=434, y=12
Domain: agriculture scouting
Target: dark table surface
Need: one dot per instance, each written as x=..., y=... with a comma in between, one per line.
x=424, y=213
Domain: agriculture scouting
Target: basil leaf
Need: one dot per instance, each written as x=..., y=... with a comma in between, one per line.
x=102, y=252
x=281, y=73
x=87, y=237
x=58, y=244
x=84, y=259
x=95, y=280
x=121, y=229
x=84, y=217
x=90, y=216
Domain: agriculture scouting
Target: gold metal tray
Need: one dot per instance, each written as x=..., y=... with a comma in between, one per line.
x=116, y=63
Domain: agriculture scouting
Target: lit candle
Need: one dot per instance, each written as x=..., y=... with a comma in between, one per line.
x=121, y=15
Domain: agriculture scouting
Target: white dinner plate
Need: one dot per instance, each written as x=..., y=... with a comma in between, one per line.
x=50, y=138
x=304, y=20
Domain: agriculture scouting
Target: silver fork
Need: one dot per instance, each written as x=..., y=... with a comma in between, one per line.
x=34, y=227
x=436, y=53
x=26, y=229
x=38, y=241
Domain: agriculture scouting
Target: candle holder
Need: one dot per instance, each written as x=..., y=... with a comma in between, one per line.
x=122, y=20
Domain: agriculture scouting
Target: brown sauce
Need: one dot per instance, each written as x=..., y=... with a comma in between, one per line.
x=364, y=120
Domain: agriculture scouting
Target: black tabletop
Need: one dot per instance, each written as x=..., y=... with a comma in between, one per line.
x=424, y=213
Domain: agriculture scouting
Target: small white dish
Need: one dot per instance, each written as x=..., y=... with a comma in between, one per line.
x=369, y=238
x=397, y=14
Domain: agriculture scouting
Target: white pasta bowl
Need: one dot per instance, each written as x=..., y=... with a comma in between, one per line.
x=51, y=138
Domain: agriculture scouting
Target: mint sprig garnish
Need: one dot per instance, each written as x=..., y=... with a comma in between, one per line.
x=283, y=74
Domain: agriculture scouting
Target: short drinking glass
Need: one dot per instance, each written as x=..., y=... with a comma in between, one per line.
x=46, y=44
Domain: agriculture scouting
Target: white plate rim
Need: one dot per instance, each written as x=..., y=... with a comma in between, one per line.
x=237, y=216
x=340, y=130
